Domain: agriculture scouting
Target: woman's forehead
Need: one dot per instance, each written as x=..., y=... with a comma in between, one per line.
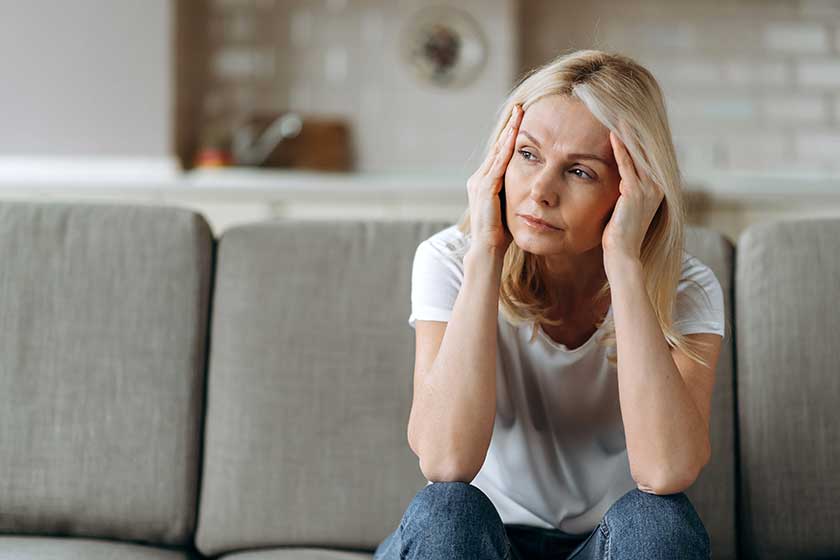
x=566, y=127
x=554, y=115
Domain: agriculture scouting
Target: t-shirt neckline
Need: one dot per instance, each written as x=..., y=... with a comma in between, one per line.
x=560, y=346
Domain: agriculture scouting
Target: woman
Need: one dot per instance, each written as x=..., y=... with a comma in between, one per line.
x=536, y=440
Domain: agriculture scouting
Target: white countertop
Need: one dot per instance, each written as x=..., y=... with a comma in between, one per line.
x=162, y=178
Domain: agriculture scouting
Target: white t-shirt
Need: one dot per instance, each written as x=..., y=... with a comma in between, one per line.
x=557, y=456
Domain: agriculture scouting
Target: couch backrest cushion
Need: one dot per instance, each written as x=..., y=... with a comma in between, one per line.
x=310, y=382
x=788, y=289
x=103, y=310
x=309, y=385
x=713, y=494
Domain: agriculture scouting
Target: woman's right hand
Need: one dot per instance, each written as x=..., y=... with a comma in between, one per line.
x=483, y=187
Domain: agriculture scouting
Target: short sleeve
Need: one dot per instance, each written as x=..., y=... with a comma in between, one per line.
x=436, y=278
x=699, y=304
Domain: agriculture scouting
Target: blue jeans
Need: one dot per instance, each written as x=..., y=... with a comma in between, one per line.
x=457, y=520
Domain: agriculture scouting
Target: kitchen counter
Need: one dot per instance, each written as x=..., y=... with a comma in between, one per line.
x=280, y=184
x=728, y=201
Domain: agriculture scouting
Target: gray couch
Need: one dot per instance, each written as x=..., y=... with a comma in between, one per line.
x=170, y=395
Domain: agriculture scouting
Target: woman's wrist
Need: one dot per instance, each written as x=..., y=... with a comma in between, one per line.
x=619, y=265
x=484, y=257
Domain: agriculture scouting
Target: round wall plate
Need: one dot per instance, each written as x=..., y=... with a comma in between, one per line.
x=443, y=46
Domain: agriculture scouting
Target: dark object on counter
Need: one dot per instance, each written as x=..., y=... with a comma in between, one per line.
x=212, y=157
x=213, y=147
x=293, y=141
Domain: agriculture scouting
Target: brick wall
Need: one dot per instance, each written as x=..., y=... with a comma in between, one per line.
x=342, y=57
x=751, y=86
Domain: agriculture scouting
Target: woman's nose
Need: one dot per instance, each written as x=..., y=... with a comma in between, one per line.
x=543, y=191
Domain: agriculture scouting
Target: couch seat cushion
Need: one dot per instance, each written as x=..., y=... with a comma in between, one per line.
x=297, y=553
x=61, y=548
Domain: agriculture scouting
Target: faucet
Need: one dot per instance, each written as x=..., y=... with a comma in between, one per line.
x=249, y=149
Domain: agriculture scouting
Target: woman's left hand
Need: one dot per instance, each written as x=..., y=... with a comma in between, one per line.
x=634, y=210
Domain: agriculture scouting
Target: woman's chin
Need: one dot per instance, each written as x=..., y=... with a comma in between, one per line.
x=536, y=244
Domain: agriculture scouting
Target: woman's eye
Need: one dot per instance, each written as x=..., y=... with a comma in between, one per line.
x=528, y=156
x=523, y=152
x=587, y=176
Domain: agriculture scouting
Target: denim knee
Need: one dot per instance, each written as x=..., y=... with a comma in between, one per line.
x=457, y=515
x=457, y=502
x=659, y=524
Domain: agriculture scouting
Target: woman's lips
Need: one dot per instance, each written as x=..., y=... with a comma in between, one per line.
x=539, y=226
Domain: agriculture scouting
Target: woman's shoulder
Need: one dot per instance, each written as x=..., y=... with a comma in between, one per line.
x=699, y=305
x=449, y=243
x=695, y=270
x=437, y=275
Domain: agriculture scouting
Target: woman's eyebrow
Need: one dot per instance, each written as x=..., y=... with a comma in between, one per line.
x=534, y=140
x=575, y=156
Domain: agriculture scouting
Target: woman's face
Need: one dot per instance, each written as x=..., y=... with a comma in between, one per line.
x=562, y=171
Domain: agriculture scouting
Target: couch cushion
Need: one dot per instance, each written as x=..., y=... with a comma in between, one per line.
x=309, y=396
x=53, y=548
x=309, y=386
x=103, y=310
x=298, y=554
x=788, y=289
x=713, y=494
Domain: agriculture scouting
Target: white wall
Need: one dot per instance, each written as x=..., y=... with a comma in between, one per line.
x=86, y=78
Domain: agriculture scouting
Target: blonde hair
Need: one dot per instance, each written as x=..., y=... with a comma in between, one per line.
x=615, y=89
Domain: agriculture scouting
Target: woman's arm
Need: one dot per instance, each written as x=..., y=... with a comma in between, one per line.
x=667, y=436
x=454, y=404
x=665, y=427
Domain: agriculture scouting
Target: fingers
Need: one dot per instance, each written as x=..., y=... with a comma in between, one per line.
x=623, y=159
x=488, y=161
x=502, y=158
x=511, y=121
x=505, y=143
x=634, y=175
x=502, y=141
